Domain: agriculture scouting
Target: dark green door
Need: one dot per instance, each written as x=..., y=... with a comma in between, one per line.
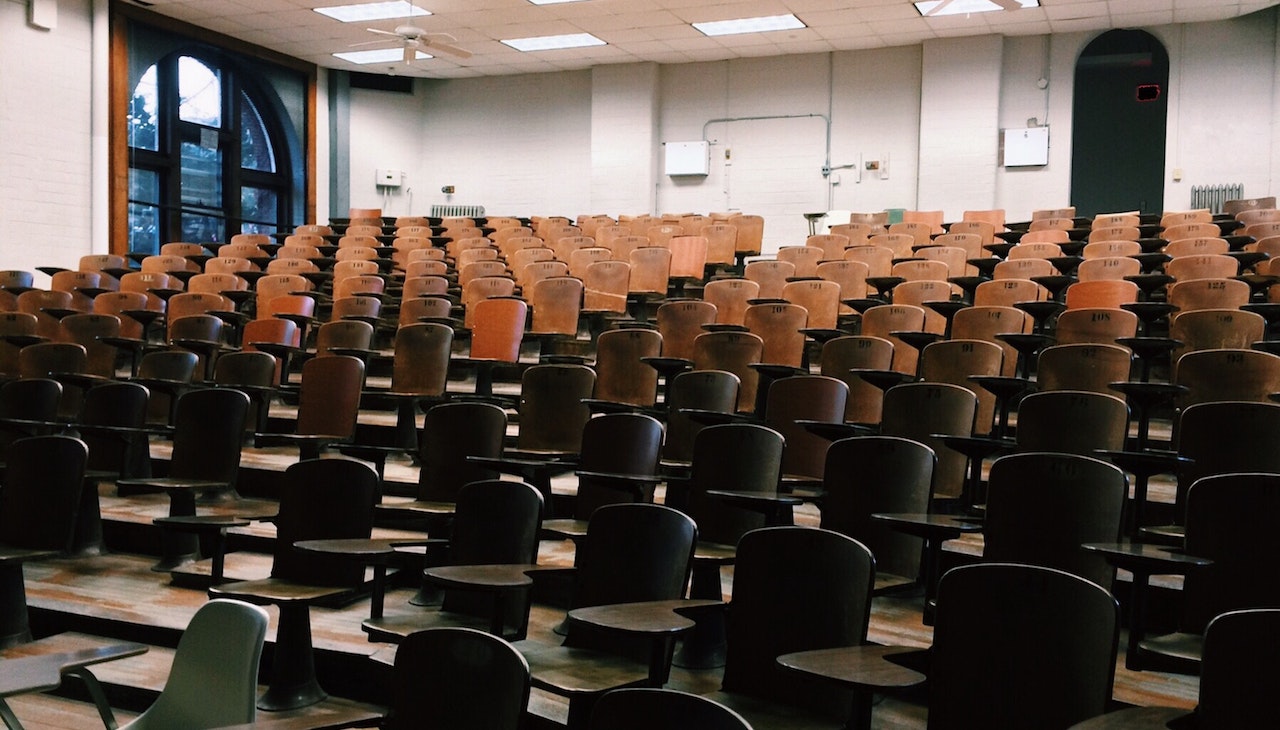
x=1121, y=105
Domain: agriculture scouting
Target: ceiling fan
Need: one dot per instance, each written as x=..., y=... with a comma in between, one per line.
x=418, y=39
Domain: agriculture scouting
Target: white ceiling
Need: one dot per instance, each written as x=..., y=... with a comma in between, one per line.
x=656, y=30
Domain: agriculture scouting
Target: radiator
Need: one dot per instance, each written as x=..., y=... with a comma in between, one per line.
x=1213, y=196
x=456, y=211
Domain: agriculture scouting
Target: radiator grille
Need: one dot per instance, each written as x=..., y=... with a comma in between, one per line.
x=457, y=211
x=1213, y=196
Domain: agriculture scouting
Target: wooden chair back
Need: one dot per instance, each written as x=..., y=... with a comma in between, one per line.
x=801, y=398
x=805, y=259
x=621, y=376
x=731, y=298
x=993, y=658
x=420, y=362
x=841, y=355
x=879, y=474
x=552, y=412
x=883, y=321
x=923, y=411
x=1089, y=367
x=44, y=476
x=1072, y=422
x=735, y=456
x=616, y=443
x=779, y=609
x=458, y=677
x=323, y=499
x=732, y=352
x=954, y=361
x=985, y=322
x=451, y=432
x=329, y=399
x=778, y=326
x=1227, y=374
x=1094, y=325
x=771, y=275
x=711, y=390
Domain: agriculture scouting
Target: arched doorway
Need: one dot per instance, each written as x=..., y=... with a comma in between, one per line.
x=1118, y=126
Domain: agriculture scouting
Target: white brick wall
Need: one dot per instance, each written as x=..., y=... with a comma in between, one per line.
x=959, y=117
x=45, y=135
x=624, y=138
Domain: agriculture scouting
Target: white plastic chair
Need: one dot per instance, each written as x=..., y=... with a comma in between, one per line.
x=214, y=679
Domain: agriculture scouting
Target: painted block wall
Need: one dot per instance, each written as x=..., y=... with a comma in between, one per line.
x=1218, y=96
x=386, y=132
x=518, y=145
x=959, y=132
x=45, y=137
x=624, y=133
x=876, y=117
x=1020, y=190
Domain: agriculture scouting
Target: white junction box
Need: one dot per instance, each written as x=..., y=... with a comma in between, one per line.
x=687, y=158
x=389, y=178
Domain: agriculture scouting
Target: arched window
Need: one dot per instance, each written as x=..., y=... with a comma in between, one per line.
x=207, y=154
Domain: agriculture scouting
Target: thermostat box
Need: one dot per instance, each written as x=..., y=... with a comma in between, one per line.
x=687, y=158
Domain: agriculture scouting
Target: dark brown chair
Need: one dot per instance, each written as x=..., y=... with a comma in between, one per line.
x=419, y=376
x=631, y=553
x=452, y=433
x=1226, y=524
x=319, y=499
x=799, y=398
x=733, y=352
x=90, y=330
x=1072, y=422
x=26, y=405
x=460, y=679
x=841, y=355
x=622, y=377
x=203, y=464
x=617, y=464
x=1044, y=660
x=495, y=523
x=707, y=390
x=1041, y=507
x=1088, y=367
x=50, y=360
x=1236, y=680
x=925, y=411
x=879, y=474
x=328, y=404
x=43, y=479
x=254, y=374
x=777, y=609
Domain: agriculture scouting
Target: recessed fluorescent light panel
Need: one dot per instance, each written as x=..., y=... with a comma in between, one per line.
x=938, y=8
x=365, y=12
x=750, y=25
x=554, y=42
x=382, y=55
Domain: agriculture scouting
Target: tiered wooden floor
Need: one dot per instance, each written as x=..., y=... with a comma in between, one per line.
x=116, y=594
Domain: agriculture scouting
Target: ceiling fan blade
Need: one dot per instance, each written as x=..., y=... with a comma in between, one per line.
x=938, y=8
x=367, y=43
x=383, y=32
x=433, y=45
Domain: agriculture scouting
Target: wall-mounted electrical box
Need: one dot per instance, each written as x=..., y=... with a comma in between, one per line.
x=687, y=158
x=1027, y=147
x=388, y=178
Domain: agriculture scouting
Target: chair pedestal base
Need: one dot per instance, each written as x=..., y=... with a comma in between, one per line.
x=703, y=646
x=293, y=667
x=14, y=628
